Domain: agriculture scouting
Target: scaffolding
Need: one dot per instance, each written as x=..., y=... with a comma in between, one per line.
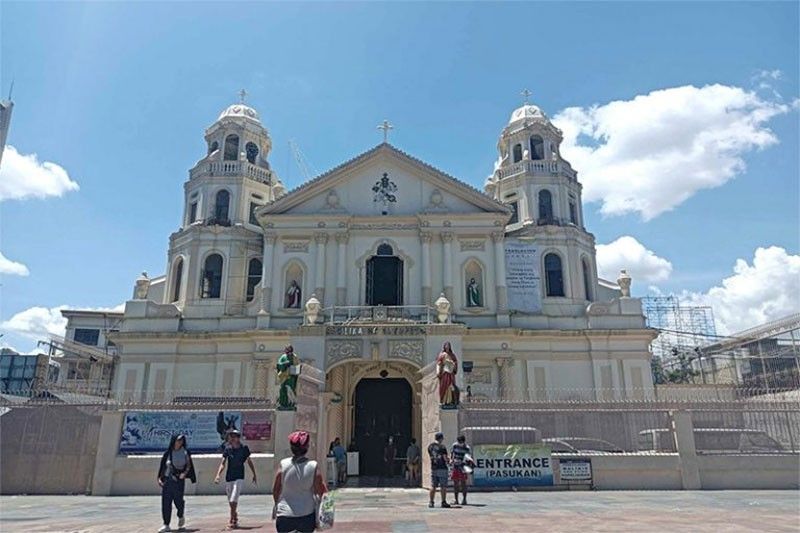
x=683, y=327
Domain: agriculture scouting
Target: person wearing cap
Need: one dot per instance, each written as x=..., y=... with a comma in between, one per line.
x=298, y=482
x=438, y=454
x=176, y=465
x=234, y=455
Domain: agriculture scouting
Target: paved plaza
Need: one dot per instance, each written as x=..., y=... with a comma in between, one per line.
x=406, y=511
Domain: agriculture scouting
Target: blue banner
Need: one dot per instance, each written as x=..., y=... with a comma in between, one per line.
x=523, y=465
x=150, y=431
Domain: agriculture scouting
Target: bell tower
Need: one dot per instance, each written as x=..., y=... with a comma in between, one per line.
x=215, y=258
x=543, y=192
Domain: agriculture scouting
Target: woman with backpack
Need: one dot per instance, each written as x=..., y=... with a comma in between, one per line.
x=176, y=466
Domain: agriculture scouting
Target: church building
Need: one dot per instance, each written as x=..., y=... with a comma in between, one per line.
x=368, y=269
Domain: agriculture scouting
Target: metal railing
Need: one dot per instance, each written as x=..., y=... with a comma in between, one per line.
x=357, y=314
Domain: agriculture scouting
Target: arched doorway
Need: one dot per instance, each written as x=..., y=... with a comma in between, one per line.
x=384, y=277
x=383, y=409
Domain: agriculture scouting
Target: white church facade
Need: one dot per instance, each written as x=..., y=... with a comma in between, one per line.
x=368, y=268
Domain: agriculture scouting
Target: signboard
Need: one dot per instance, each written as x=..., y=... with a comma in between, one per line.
x=522, y=276
x=150, y=431
x=256, y=425
x=501, y=465
x=575, y=470
x=364, y=331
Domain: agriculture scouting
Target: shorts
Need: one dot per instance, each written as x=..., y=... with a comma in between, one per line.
x=341, y=468
x=234, y=489
x=458, y=475
x=303, y=524
x=438, y=478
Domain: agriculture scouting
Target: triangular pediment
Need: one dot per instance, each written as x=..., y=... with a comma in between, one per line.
x=358, y=187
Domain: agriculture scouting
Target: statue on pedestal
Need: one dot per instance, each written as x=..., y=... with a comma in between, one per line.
x=288, y=369
x=446, y=369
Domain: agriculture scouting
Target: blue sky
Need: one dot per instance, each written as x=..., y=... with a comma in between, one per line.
x=119, y=96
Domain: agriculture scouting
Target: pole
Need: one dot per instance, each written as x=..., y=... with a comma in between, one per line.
x=763, y=365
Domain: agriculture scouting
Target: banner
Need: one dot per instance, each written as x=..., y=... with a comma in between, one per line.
x=150, y=431
x=522, y=276
x=575, y=470
x=256, y=425
x=501, y=465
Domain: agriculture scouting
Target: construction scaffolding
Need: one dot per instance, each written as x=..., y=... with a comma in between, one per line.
x=683, y=327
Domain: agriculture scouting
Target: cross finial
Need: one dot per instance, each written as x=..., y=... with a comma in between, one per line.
x=385, y=126
x=242, y=95
x=525, y=95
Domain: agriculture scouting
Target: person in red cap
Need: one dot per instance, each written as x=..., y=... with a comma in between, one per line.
x=298, y=481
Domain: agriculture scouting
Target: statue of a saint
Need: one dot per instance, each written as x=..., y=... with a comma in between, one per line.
x=473, y=294
x=446, y=369
x=287, y=375
x=293, y=295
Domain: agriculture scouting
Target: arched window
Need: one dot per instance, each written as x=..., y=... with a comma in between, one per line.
x=587, y=279
x=211, y=284
x=517, y=153
x=545, y=206
x=252, y=152
x=253, y=278
x=554, y=277
x=231, y=148
x=385, y=249
x=177, y=279
x=213, y=147
x=537, y=148
x=221, y=204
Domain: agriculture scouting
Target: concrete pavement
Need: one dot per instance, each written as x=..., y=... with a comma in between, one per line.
x=406, y=511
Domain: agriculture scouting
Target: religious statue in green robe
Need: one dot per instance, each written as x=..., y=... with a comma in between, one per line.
x=287, y=368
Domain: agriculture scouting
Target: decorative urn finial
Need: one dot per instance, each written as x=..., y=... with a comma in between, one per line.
x=313, y=308
x=624, y=282
x=142, y=286
x=442, y=309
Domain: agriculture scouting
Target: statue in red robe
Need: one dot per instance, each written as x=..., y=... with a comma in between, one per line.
x=446, y=369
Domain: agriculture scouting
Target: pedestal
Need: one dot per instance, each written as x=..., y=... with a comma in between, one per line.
x=284, y=425
x=449, y=425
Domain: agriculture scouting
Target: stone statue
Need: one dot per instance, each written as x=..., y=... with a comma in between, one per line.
x=294, y=295
x=142, y=287
x=473, y=294
x=288, y=369
x=446, y=369
x=313, y=307
x=442, y=309
x=624, y=282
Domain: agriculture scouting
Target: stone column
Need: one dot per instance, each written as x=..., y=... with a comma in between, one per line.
x=341, y=268
x=447, y=275
x=261, y=381
x=427, y=293
x=262, y=321
x=500, y=279
x=336, y=413
x=504, y=391
x=321, y=239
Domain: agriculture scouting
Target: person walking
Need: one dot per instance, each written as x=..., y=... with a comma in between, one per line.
x=413, y=457
x=389, y=455
x=459, y=475
x=298, y=482
x=340, y=457
x=438, y=455
x=176, y=465
x=234, y=456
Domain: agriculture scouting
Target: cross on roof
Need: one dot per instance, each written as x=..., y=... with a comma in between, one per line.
x=525, y=95
x=385, y=126
x=242, y=95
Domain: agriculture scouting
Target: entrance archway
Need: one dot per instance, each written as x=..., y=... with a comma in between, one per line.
x=383, y=409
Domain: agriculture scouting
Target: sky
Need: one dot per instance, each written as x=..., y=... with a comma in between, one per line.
x=680, y=118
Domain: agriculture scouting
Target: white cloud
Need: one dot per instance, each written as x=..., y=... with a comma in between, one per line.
x=37, y=322
x=24, y=176
x=627, y=253
x=650, y=154
x=765, y=290
x=12, y=268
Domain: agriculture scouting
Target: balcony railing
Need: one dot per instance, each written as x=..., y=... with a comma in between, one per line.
x=552, y=221
x=360, y=314
x=538, y=168
x=232, y=168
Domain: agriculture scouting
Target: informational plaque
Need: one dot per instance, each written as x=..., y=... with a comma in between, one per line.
x=522, y=276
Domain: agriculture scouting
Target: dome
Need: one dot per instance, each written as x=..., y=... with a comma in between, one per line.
x=528, y=111
x=239, y=110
